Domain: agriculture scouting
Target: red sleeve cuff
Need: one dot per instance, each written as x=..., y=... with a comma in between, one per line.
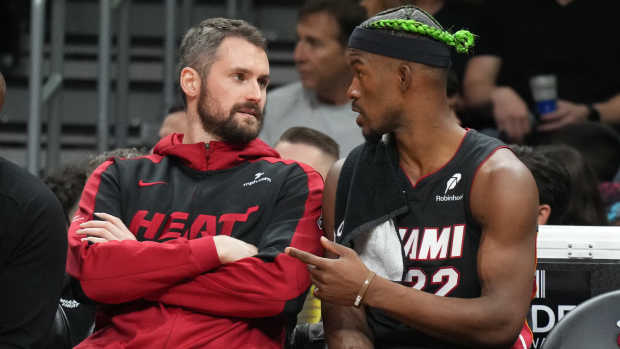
x=204, y=253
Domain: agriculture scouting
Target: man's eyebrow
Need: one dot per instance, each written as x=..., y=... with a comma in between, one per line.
x=241, y=70
x=248, y=71
x=309, y=35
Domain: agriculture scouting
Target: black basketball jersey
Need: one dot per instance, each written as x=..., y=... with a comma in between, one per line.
x=432, y=244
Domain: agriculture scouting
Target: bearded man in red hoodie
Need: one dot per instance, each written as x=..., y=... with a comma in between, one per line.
x=183, y=248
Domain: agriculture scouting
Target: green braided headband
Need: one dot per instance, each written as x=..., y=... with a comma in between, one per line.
x=462, y=40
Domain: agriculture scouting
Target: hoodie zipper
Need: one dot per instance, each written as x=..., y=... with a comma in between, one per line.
x=207, y=156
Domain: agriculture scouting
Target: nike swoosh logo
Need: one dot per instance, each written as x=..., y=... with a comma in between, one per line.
x=142, y=183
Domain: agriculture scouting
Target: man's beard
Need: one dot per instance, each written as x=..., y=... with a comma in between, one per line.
x=228, y=130
x=389, y=124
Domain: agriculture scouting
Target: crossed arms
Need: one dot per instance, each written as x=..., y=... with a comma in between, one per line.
x=218, y=275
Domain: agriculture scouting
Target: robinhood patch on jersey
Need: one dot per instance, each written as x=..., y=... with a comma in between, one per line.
x=450, y=185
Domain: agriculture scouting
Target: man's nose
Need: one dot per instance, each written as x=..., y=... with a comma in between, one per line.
x=353, y=90
x=299, y=54
x=254, y=92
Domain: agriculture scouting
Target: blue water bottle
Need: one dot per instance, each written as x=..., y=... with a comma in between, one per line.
x=544, y=91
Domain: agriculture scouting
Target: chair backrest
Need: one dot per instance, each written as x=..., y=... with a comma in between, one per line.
x=592, y=324
x=59, y=336
x=74, y=319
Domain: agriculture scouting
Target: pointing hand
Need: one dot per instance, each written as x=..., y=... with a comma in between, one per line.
x=337, y=281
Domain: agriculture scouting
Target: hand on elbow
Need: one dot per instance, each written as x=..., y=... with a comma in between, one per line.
x=231, y=250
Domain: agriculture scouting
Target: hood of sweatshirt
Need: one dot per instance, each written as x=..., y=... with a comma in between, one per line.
x=215, y=155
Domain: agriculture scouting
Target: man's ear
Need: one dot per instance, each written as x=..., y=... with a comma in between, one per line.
x=190, y=81
x=405, y=76
x=544, y=211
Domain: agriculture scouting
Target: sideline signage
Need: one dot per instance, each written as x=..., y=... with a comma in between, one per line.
x=575, y=263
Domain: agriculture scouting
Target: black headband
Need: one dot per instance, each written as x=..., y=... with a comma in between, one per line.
x=425, y=51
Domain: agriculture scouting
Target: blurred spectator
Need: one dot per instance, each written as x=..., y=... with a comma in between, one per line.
x=174, y=122
x=598, y=144
x=523, y=39
x=33, y=248
x=553, y=182
x=613, y=215
x=610, y=194
x=320, y=100
x=585, y=206
x=566, y=184
x=11, y=15
x=67, y=184
x=309, y=146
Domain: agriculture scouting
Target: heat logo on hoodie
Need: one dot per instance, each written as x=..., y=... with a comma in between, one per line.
x=178, y=224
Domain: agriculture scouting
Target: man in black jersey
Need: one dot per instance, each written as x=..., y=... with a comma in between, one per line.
x=440, y=222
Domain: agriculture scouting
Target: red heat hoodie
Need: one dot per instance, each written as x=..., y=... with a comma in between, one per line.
x=168, y=289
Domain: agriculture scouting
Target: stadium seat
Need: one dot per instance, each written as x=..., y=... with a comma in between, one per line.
x=593, y=324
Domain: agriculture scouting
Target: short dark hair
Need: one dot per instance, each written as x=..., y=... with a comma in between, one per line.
x=347, y=13
x=309, y=136
x=598, y=144
x=453, y=85
x=67, y=184
x=552, y=180
x=200, y=43
x=585, y=206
